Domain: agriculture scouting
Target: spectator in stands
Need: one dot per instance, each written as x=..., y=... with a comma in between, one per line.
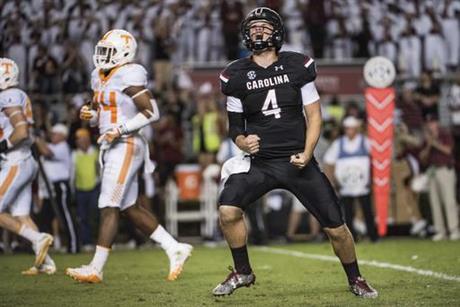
x=315, y=20
x=207, y=126
x=85, y=164
x=57, y=165
x=435, y=45
x=164, y=46
x=411, y=113
x=387, y=47
x=437, y=154
x=450, y=15
x=404, y=168
x=363, y=38
x=347, y=165
x=168, y=146
x=17, y=51
x=231, y=13
x=46, y=72
x=74, y=75
x=427, y=95
x=409, y=50
x=454, y=108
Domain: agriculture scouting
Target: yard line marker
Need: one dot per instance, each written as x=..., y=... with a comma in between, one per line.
x=374, y=263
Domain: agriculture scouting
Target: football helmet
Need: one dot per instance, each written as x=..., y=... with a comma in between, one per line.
x=9, y=73
x=117, y=47
x=268, y=15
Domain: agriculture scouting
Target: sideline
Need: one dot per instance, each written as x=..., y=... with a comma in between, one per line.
x=374, y=263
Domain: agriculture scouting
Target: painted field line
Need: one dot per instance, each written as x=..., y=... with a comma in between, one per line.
x=374, y=263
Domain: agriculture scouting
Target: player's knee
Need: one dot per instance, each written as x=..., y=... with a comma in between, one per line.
x=337, y=233
x=109, y=212
x=229, y=214
x=129, y=212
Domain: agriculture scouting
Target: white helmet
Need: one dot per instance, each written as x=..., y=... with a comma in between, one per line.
x=9, y=73
x=117, y=47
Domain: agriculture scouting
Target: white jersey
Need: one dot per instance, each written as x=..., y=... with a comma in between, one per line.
x=114, y=106
x=14, y=97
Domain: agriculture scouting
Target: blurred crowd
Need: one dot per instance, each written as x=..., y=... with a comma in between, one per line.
x=52, y=41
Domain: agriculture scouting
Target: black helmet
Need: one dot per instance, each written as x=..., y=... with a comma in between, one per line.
x=270, y=16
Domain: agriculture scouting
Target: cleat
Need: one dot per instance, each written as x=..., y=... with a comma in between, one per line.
x=177, y=258
x=234, y=281
x=361, y=288
x=32, y=271
x=41, y=248
x=45, y=268
x=85, y=274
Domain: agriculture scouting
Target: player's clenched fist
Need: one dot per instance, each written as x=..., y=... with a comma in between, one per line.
x=86, y=113
x=300, y=160
x=249, y=144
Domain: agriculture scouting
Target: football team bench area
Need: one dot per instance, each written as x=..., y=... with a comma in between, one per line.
x=407, y=272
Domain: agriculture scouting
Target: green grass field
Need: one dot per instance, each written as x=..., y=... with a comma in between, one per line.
x=137, y=278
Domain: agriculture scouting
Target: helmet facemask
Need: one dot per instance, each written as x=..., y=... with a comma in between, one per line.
x=275, y=32
x=105, y=56
x=257, y=29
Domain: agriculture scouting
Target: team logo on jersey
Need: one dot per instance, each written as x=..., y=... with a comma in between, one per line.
x=251, y=75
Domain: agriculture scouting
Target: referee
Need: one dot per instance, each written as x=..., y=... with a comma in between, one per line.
x=57, y=166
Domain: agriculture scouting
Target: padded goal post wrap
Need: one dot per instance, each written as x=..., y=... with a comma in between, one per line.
x=380, y=111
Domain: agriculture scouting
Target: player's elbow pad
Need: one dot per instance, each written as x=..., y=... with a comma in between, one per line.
x=236, y=125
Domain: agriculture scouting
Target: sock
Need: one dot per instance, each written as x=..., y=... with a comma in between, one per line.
x=48, y=260
x=29, y=233
x=241, y=260
x=100, y=257
x=160, y=235
x=352, y=270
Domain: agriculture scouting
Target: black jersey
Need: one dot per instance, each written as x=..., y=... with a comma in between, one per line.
x=271, y=100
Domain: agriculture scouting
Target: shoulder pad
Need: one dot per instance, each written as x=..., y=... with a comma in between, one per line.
x=305, y=67
x=229, y=77
x=133, y=75
x=12, y=97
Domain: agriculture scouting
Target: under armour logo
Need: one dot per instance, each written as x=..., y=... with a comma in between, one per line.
x=279, y=68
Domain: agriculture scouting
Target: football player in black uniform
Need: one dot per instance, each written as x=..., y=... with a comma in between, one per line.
x=274, y=115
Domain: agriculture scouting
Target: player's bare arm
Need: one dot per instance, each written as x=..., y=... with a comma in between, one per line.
x=313, y=131
x=43, y=148
x=148, y=113
x=21, y=128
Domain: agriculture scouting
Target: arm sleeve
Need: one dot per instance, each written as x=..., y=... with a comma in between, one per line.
x=236, y=125
x=309, y=93
x=234, y=105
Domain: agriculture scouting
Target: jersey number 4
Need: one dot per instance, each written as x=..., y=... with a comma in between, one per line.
x=110, y=105
x=270, y=106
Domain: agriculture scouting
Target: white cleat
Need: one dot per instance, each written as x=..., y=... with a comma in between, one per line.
x=177, y=258
x=45, y=268
x=85, y=273
x=41, y=248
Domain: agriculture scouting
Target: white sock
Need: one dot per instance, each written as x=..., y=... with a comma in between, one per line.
x=29, y=233
x=100, y=258
x=48, y=260
x=161, y=236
